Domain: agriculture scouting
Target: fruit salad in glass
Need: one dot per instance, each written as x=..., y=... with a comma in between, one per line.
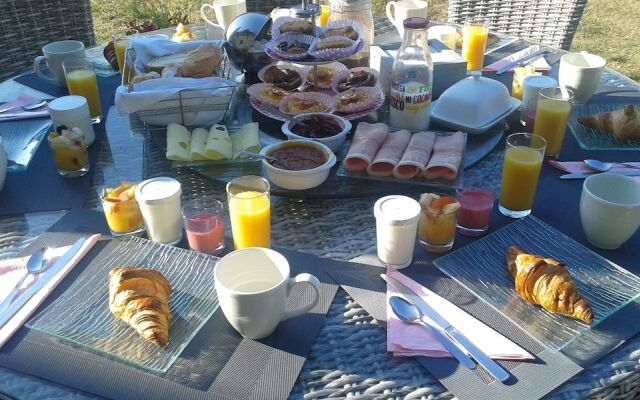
x=437, y=223
x=122, y=211
x=69, y=151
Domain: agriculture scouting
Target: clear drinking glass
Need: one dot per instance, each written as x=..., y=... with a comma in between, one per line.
x=474, y=43
x=121, y=42
x=250, y=211
x=203, y=222
x=70, y=155
x=476, y=205
x=437, y=225
x=122, y=211
x=522, y=162
x=80, y=74
x=552, y=113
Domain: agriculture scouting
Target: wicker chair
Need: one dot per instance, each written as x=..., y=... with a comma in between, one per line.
x=266, y=6
x=27, y=25
x=550, y=22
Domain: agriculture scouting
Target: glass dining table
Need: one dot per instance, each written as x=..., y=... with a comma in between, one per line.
x=349, y=355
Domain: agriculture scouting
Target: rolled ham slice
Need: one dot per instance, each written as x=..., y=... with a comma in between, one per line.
x=446, y=158
x=367, y=139
x=415, y=157
x=389, y=154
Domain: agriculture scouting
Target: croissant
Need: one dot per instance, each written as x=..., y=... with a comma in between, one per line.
x=623, y=123
x=140, y=297
x=547, y=283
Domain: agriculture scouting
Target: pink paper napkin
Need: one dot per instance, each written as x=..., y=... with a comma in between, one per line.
x=572, y=167
x=20, y=113
x=12, y=270
x=539, y=63
x=407, y=340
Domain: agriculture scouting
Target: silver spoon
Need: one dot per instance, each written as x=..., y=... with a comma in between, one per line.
x=602, y=166
x=35, y=264
x=27, y=107
x=255, y=155
x=410, y=313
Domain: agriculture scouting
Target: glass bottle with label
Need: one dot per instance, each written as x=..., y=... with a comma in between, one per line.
x=412, y=79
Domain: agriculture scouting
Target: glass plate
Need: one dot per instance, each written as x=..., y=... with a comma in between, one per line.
x=81, y=315
x=21, y=140
x=593, y=139
x=481, y=268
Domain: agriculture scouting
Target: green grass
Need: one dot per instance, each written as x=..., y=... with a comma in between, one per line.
x=608, y=27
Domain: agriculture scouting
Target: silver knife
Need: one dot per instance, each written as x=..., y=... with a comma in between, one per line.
x=448, y=344
x=520, y=61
x=583, y=175
x=41, y=282
x=24, y=114
x=491, y=366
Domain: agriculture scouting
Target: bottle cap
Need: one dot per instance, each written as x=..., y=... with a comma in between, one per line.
x=416, y=23
x=69, y=107
x=397, y=210
x=158, y=191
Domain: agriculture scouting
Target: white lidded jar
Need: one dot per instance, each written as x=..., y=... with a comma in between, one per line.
x=73, y=112
x=396, y=229
x=530, y=89
x=159, y=201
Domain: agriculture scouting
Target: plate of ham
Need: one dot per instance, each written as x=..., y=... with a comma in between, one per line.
x=428, y=158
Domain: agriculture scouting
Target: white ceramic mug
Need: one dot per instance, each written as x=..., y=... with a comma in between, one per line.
x=54, y=55
x=3, y=163
x=581, y=72
x=398, y=11
x=225, y=11
x=253, y=285
x=609, y=209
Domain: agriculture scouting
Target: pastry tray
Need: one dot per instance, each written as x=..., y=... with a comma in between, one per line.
x=81, y=318
x=481, y=268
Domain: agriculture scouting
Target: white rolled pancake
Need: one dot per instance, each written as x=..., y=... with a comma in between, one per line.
x=447, y=154
x=389, y=154
x=415, y=157
x=198, y=143
x=367, y=139
x=178, y=142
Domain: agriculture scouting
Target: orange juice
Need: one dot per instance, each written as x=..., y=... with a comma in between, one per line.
x=324, y=17
x=82, y=82
x=551, y=123
x=520, y=177
x=121, y=49
x=250, y=214
x=474, y=42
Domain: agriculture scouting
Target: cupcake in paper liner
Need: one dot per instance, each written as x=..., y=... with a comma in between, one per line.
x=291, y=26
x=326, y=74
x=349, y=28
x=283, y=75
x=357, y=99
x=307, y=102
x=333, y=48
x=268, y=93
x=354, y=77
x=291, y=47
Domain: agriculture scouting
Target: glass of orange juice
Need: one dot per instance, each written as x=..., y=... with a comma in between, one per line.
x=80, y=74
x=325, y=10
x=249, y=211
x=121, y=43
x=474, y=43
x=522, y=162
x=552, y=114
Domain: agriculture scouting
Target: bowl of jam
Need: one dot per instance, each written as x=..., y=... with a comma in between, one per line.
x=328, y=129
x=297, y=164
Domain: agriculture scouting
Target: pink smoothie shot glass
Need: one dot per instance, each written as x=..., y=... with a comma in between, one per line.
x=476, y=205
x=204, y=225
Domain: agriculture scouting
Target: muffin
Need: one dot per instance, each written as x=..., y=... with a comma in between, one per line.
x=356, y=79
x=284, y=78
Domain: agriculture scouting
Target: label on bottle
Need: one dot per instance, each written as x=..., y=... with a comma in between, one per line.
x=409, y=105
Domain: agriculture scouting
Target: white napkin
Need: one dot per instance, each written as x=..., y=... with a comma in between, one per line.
x=18, y=113
x=149, y=48
x=12, y=270
x=408, y=340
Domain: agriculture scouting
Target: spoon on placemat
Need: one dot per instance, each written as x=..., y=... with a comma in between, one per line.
x=26, y=107
x=410, y=313
x=35, y=264
x=602, y=166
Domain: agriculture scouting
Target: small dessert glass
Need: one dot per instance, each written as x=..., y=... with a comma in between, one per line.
x=70, y=156
x=123, y=216
x=476, y=205
x=437, y=228
x=203, y=222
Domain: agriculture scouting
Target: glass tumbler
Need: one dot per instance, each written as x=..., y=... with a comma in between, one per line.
x=80, y=74
x=552, y=114
x=250, y=211
x=203, y=222
x=474, y=42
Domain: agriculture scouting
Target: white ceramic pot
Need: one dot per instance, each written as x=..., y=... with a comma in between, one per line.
x=334, y=142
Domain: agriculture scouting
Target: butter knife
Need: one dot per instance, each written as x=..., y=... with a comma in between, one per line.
x=521, y=61
x=583, y=175
x=41, y=282
x=487, y=363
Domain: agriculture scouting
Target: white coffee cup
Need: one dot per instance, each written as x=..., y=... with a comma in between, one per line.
x=398, y=11
x=253, y=285
x=444, y=33
x=609, y=209
x=581, y=72
x=225, y=11
x=54, y=54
